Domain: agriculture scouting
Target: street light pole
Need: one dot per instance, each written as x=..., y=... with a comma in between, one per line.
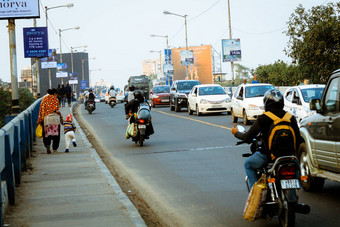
x=230, y=37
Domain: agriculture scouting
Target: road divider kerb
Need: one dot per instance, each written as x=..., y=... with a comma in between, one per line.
x=203, y=122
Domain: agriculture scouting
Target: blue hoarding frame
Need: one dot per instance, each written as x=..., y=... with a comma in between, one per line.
x=35, y=42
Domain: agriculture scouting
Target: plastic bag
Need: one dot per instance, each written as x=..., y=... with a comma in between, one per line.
x=38, y=131
x=256, y=198
x=131, y=131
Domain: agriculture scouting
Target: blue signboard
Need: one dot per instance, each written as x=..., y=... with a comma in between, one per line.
x=35, y=42
x=168, y=57
x=83, y=84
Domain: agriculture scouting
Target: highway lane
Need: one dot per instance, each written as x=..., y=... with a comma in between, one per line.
x=191, y=171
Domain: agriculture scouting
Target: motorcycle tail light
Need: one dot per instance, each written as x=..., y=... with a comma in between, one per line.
x=271, y=180
x=141, y=121
x=288, y=172
x=304, y=178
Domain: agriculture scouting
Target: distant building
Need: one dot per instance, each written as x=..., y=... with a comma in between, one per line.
x=153, y=67
x=26, y=79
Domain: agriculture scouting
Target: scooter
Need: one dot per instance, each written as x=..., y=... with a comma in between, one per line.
x=112, y=101
x=283, y=180
x=142, y=119
x=90, y=106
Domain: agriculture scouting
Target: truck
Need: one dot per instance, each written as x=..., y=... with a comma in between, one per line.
x=141, y=83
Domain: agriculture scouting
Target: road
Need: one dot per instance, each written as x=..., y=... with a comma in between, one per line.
x=190, y=171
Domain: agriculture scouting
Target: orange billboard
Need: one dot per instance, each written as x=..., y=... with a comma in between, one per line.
x=200, y=70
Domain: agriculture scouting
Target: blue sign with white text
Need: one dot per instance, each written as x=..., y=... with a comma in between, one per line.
x=83, y=84
x=35, y=42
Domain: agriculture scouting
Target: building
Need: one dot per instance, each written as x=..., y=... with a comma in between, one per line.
x=26, y=79
x=153, y=67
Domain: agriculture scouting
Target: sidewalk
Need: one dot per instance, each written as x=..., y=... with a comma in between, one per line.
x=70, y=189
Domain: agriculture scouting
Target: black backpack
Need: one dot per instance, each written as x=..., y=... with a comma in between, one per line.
x=282, y=139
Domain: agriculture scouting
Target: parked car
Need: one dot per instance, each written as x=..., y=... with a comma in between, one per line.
x=179, y=93
x=297, y=99
x=319, y=153
x=160, y=95
x=208, y=98
x=247, y=101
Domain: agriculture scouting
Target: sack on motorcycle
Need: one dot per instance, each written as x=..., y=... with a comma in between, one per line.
x=256, y=199
x=131, y=131
x=282, y=140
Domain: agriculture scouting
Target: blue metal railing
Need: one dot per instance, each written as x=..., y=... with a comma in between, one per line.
x=16, y=143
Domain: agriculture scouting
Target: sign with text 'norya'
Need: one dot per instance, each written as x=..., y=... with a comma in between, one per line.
x=15, y=9
x=35, y=42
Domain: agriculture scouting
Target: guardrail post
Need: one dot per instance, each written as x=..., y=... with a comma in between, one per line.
x=8, y=173
x=22, y=144
x=17, y=156
x=1, y=205
x=27, y=137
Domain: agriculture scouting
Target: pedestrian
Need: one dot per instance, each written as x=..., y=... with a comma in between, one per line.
x=50, y=118
x=69, y=130
x=255, y=80
x=62, y=95
x=59, y=94
x=244, y=81
x=68, y=93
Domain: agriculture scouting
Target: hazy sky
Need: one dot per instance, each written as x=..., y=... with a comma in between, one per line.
x=117, y=32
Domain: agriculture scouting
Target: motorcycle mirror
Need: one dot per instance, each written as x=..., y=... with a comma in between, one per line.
x=240, y=128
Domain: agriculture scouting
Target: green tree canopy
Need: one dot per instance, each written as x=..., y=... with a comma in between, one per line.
x=314, y=40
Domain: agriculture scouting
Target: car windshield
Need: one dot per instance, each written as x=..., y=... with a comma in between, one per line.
x=139, y=80
x=163, y=89
x=212, y=90
x=187, y=85
x=312, y=93
x=257, y=91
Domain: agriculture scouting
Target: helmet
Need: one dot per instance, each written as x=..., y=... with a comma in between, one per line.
x=131, y=87
x=90, y=90
x=69, y=118
x=112, y=87
x=273, y=98
x=139, y=95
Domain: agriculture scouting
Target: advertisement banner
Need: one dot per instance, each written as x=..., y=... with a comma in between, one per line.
x=187, y=57
x=35, y=42
x=167, y=54
x=51, y=61
x=231, y=50
x=83, y=84
x=61, y=66
x=14, y=9
x=168, y=69
x=73, y=78
x=61, y=74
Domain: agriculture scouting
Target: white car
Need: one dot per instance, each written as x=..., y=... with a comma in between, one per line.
x=120, y=96
x=247, y=101
x=208, y=98
x=297, y=99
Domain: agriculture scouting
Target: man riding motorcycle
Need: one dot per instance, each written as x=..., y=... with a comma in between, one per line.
x=112, y=92
x=273, y=102
x=130, y=94
x=132, y=107
x=90, y=96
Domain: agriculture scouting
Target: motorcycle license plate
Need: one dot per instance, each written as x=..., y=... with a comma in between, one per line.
x=91, y=105
x=141, y=126
x=290, y=184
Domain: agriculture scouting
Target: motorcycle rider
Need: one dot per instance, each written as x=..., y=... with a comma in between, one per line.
x=273, y=102
x=112, y=92
x=130, y=94
x=132, y=107
x=90, y=96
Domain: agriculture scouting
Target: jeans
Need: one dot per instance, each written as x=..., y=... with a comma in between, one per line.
x=252, y=164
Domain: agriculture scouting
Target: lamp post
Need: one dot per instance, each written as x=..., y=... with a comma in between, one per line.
x=46, y=15
x=186, y=34
x=167, y=45
x=82, y=67
x=160, y=59
x=72, y=48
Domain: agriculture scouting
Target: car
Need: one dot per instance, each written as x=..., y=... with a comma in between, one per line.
x=247, y=101
x=319, y=153
x=208, y=98
x=107, y=97
x=102, y=94
x=160, y=95
x=296, y=99
x=179, y=93
x=120, y=97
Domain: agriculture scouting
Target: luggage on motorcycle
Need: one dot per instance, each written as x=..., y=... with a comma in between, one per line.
x=131, y=131
x=144, y=111
x=256, y=199
x=282, y=139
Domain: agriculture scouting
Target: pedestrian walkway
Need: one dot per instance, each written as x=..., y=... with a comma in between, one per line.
x=70, y=189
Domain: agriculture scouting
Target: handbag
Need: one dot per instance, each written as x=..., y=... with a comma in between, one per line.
x=256, y=199
x=38, y=131
x=131, y=130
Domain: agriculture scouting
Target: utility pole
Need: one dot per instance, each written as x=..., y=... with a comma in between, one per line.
x=37, y=67
x=230, y=37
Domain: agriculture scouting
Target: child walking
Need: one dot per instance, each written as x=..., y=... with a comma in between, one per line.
x=69, y=129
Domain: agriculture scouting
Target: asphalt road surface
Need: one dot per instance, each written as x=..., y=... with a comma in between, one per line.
x=191, y=172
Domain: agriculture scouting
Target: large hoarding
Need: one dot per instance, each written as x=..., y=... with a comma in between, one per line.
x=14, y=9
x=51, y=61
x=35, y=42
x=201, y=69
x=231, y=50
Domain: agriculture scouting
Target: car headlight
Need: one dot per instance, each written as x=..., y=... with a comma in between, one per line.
x=182, y=95
x=155, y=97
x=253, y=107
x=204, y=101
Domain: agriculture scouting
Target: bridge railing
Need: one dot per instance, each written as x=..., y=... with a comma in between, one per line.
x=16, y=143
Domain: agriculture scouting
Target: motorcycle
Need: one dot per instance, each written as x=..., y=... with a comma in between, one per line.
x=142, y=119
x=112, y=101
x=90, y=106
x=283, y=180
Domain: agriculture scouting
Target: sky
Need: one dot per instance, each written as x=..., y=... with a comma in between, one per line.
x=117, y=32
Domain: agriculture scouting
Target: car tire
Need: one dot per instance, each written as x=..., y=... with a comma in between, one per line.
x=172, y=108
x=197, y=111
x=177, y=107
x=312, y=183
x=245, y=118
x=189, y=110
x=233, y=118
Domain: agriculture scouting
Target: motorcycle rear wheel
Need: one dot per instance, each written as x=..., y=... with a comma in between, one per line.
x=287, y=214
x=141, y=140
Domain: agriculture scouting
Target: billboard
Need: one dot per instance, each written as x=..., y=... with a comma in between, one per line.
x=168, y=69
x=73, y=78
x=231, y=50
x=61, y=74
x=61, y=66
x=187, y=57
x=83, y=84
x=51, y=61
x=201, y=69
x=35, y=42
x=14, y=9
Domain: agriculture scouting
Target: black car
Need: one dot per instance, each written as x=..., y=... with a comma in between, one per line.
x=179, y=93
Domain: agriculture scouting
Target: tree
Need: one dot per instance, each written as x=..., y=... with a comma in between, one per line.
x=5, y=105
x=241, y=73
x=314, y=40
x=25, y=98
